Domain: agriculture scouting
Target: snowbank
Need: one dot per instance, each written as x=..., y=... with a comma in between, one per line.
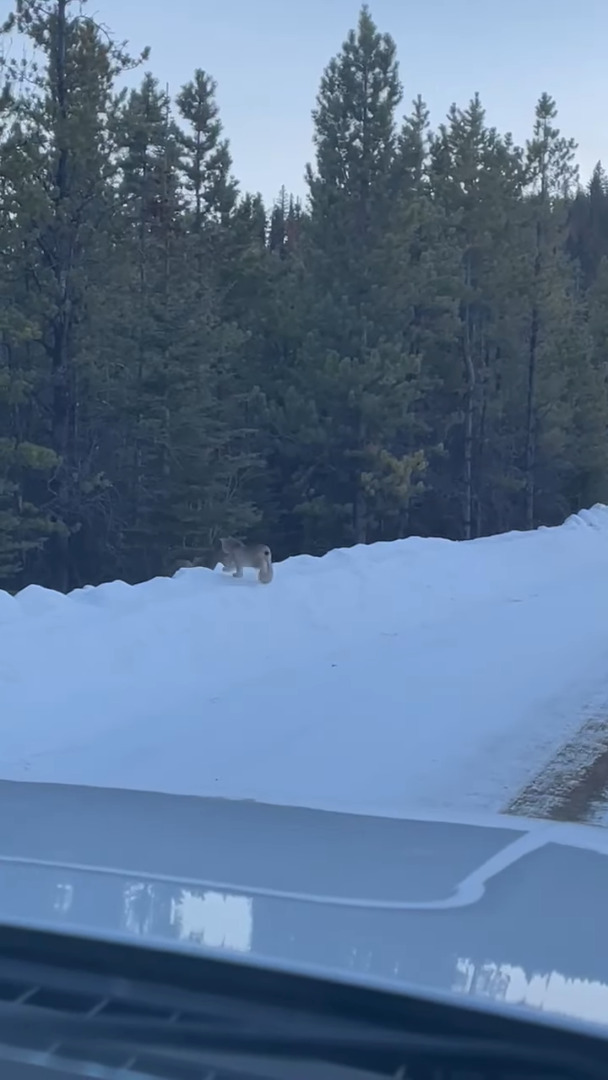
x=419, y=674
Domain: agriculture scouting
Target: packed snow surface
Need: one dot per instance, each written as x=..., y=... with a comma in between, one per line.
x=422, y=674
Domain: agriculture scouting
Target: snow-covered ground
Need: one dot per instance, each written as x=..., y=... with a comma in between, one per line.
x=419, y=674
x=599, y=813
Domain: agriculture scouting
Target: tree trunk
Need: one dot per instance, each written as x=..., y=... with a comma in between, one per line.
x=481, y=442
x=531, y=423
x=530, y=462
x=360, y=516
x=469, y=416
x=62, y=410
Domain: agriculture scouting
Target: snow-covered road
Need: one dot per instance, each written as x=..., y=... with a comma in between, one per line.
x=421, y=674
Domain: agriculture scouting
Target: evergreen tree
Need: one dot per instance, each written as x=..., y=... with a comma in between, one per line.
x=477, y=178
x=552, y=177
x=358, y=365
x=206, y=159
x=588, y=225
x=62, y=162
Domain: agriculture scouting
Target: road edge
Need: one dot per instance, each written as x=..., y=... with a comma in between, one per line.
x=573, y=781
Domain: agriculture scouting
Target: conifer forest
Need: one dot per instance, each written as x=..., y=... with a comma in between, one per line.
x=418, y=347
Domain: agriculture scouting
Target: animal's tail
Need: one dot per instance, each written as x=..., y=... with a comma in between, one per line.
x=265, y=574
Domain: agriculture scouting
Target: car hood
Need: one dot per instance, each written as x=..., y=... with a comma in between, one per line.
x=494, y=907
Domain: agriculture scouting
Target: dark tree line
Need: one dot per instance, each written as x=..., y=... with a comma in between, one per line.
x=421, y=349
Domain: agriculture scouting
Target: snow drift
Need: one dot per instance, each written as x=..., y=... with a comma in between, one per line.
x=423, y=674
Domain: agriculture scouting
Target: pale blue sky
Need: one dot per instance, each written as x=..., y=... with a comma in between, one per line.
x=267, y=57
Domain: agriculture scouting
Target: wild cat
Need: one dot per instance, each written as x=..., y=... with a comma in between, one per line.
x=235, y=556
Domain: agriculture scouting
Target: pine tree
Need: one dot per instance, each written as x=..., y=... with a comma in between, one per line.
x=477, y=179
x=62, y=158
x=25, y=464
x=183, y=437
x=552, y=177
x=206, y=159
x=588, y=225
x=222, y=251
x=432, y=258
x=357, y=365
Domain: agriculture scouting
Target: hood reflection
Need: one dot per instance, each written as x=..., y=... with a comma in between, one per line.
x=475, y=951
x=215, y=920
x=208, y=918
x=583, y=998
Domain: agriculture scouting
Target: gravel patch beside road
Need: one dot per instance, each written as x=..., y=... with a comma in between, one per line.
x=573, y=786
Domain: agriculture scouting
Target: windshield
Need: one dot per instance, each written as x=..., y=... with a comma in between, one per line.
x=304, y=485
